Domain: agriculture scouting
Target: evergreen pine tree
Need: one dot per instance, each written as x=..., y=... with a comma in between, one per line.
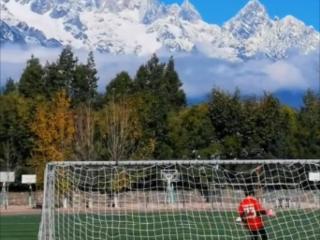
x=159, y=87
x=10, y=86
x=51, y=79
x=226, y=113
x=31, y=82
x=149, y=76
x=119, y=87
x=309, y=121
x=60, y=75
x=66, y=68
x=268, y=126
x=84, y=84
x=172, y=86
x=92, y=75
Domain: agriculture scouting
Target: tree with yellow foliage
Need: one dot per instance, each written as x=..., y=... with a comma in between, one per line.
x=53, y=129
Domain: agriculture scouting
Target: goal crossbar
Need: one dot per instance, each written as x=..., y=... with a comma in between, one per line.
x=186, y=162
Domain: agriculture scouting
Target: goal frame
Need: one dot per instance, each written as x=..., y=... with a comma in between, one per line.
x=47, y=233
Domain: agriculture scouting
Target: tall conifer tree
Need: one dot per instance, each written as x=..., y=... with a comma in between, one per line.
x=84, y=83
x=31, y=82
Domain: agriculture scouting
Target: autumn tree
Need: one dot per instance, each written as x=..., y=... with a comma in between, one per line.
x=84, y=149
x=83, y=94
x=53, y=129
x=120, y=129
x=121, y=134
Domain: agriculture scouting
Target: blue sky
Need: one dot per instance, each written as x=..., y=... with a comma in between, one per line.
x=219, y=11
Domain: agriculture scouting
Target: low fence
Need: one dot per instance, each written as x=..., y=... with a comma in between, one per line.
x=188, y=200
x=22, y=198
x=222, y=199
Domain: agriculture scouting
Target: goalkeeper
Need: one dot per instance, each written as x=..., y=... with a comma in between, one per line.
x=251, y=212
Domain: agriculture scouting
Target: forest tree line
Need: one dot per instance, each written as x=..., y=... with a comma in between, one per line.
x=55, y=113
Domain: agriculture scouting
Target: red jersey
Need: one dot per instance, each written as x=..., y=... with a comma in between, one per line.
x=248, y=209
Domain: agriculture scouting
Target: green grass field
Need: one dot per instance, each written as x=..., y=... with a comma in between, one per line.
x=19, y=227
x=166, y=226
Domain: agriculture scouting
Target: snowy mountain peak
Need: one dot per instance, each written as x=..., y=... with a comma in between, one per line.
x=250, y=19
x=188, y=12
x=291, y=20
x=146, y=26
x=254, y=9
x=255, y=4
x=150, y=10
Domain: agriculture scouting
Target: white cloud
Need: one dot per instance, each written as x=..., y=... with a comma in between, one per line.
x=198, y=73
x=13, y=54
x=284, y=74
x=201, y=74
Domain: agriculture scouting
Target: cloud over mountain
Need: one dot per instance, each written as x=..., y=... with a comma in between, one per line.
x=198, y=72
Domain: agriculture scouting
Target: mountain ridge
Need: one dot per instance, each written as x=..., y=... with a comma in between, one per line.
x=143, y=27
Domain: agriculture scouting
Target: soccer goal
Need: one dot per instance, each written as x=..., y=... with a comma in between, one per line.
x=180, y=200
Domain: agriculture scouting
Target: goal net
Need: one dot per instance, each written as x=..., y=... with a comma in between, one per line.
x=180, y=200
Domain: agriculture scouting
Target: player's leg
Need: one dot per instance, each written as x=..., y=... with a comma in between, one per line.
x=254, y=235
x=263, y=234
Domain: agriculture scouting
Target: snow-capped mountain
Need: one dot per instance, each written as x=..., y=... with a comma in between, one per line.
x=147, y=26
x=256, y=33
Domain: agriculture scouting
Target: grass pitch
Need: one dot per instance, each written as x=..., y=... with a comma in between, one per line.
x=295, y=225
x=19, y=227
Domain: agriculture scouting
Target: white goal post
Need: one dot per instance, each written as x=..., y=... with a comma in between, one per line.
x=173, y=200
